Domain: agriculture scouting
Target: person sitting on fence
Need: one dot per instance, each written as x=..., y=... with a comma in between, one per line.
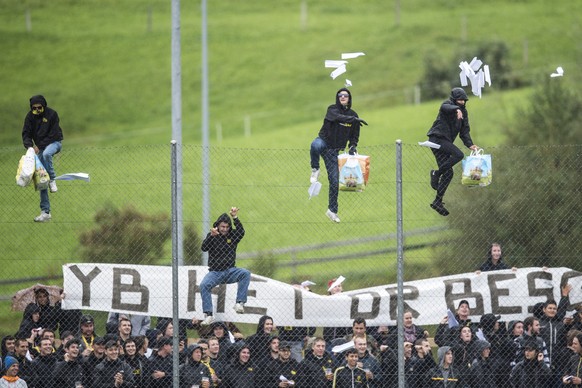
x=452, y=120
x=42, y=131
x=221, y=244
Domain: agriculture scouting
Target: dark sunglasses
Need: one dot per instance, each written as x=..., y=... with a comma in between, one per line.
x=340, y=95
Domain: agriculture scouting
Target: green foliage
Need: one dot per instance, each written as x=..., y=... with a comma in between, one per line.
x=265, y=265
x=192, y=243
x=553, y=116
x=125, y=235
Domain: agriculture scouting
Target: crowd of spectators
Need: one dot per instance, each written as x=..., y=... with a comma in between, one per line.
x=542, y=350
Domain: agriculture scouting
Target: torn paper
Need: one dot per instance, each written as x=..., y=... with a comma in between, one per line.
x=74, y=176
x=559, y=72
x=334, y=63
x=351, y=55
x=429, y=144
x=337, y=72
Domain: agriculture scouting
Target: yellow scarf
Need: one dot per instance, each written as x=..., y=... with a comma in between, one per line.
x=10, y=379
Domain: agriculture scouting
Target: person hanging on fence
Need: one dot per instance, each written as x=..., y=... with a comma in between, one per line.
x=341, y=126
x=221, y=244
x=452, y=121
x=43, y=132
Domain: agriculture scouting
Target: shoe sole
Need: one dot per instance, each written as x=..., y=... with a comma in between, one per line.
x=440, y=210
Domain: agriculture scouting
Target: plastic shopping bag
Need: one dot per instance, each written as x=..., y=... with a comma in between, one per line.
x=26, y=168
x=41, y=177
x=477, y=169
x=354, y=171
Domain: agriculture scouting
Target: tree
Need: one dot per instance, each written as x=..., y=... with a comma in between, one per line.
x=125, y=236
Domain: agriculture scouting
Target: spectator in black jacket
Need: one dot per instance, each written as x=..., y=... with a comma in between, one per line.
x=259, y=342
x=20, y=351
x=41, y=368
x=221, y=244
x=350, y=374
x=112, y=372
x=240, y=373
x=285, y=366
x=69, y=373
x=316, y=369
x=448, y=336
x=341, y=126
x=94, y=358
x=42, y=131
x=160, y=368
x=494, y=260
x=531, y=372
x=483, y=371
x=452, y=120
x=136, y=360
x=194, y=372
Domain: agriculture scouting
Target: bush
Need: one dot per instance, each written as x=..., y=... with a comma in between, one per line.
x=125, y=236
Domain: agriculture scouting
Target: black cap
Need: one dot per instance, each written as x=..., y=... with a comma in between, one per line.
x=86, y=319
x=284, y=345
x=531, y=343
x=464, y=301
x=99, y=341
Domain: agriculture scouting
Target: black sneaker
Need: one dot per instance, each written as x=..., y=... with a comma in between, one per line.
x=440, y=208
x=434, y=179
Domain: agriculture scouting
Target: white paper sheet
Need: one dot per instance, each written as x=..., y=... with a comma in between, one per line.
x=429, y=144
x=351, y=55
x=337, y=282
x=342, y=347
x=337, y=72
x=348, y=83
x=74, y=176
x=559, y=72
x=334, y=63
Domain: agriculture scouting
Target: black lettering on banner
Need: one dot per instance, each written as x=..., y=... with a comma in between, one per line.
x=135, y=286
x=193, y=289
x=408, y=293
x=355, y=307
x=548, y=292
x=497, y=292
x=467, y=294
x=566, y=276
x=85, y=282
x=298, y=303
x=253, y=294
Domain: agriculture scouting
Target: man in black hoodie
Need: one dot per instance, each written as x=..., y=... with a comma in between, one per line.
x=340, y=126
x=42, y=131
x=41, y=368
x=452, y=120
x=221, y=244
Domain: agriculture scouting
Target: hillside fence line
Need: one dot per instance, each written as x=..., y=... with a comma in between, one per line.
x=124, y=216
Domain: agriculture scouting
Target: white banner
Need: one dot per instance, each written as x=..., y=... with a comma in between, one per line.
x=148, y=290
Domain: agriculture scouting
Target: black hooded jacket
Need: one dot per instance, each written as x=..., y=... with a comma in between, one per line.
x=259, y=342
x=447, y=126
x=27, y=323
x=340, y=124
x=222, y=249
x=43, y=129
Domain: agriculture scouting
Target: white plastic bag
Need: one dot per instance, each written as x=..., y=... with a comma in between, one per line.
x=26, y=168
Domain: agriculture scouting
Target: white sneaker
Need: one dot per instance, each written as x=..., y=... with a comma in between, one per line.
x=332, y=216
x=44, y=217
x=53, y=186
x=239, y=308
x=208, y=320
x=314, y=175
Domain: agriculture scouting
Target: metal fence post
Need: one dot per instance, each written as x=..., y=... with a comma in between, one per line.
x=400, y=264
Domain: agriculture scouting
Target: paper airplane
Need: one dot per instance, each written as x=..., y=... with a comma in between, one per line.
x=351, y=55
x=429, y=144
x=337, y=72
x=334, y=63
x=348, y=83
x=74, y=176
x=559, y=72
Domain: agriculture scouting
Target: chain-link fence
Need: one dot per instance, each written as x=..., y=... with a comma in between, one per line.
x=114, y=237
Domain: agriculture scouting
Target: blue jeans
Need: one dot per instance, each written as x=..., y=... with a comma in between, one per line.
x=329, y=155
x=46, y=158
x=214, y=278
